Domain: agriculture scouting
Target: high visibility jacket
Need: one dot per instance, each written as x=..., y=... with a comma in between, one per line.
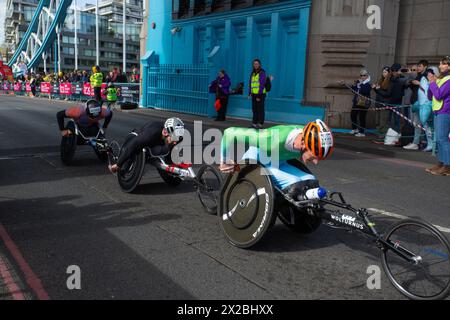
x=438, y=104
x=255, y=84
x=96, y=79
x=111, y=94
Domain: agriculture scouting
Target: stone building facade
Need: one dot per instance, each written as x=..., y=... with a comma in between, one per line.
x=339, y=43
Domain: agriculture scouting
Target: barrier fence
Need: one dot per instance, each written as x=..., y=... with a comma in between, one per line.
x=76, y=91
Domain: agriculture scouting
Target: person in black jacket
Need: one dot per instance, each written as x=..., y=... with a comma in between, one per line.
x=382, y=98
x=395, y=92
x=361, y=102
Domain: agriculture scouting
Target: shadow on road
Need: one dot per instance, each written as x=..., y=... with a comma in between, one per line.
x=53, y=233
x=162, y=188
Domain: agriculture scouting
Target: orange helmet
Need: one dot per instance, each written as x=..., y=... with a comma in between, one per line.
x=318, y=139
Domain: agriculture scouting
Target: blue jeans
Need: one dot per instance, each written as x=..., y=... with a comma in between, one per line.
x=441, y=131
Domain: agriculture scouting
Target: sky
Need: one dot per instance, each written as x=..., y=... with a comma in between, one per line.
x=3, y=9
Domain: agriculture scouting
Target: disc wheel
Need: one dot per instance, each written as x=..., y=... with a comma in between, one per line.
x=427, y=277
x=246, y=206
x=208, y=189
x=131, y=172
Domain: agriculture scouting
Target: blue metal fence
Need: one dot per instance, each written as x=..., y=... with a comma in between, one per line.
x=178, y=87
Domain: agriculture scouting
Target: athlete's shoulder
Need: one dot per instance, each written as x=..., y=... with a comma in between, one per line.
x=74, y=112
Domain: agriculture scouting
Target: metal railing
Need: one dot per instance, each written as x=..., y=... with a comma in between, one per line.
x=74, y=91
x=178, y=87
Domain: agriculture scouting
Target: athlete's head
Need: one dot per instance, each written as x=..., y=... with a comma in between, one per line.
x=93, y=109
x=316, y=142
x=173, y=130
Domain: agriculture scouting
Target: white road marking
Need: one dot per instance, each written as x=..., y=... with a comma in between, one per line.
x=399, y=216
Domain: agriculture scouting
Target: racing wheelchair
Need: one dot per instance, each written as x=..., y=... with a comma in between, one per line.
x=207, y=181
x=415, y=255
x=95, y=138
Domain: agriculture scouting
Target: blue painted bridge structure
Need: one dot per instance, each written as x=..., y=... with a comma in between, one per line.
x=184, y=52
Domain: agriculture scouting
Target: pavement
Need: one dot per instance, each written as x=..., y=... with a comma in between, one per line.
x=158, y=243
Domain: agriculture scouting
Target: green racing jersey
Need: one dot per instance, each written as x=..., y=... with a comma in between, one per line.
x=277, y=139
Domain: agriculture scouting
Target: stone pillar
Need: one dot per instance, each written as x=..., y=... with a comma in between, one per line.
x=423, y=31
x=340, y=44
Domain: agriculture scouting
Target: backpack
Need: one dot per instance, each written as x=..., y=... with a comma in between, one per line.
x=268, y=85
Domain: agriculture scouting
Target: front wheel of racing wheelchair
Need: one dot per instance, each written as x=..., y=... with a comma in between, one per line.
x=132, y=170
x=69, y=144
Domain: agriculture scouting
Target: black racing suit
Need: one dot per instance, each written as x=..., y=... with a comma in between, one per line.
x=150, y=135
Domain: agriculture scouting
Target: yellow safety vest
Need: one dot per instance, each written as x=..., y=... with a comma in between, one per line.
x=96, y=79
x=255, y=84
x=438, y=104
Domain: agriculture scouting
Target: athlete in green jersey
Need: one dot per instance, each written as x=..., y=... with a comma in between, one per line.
x=278, y=149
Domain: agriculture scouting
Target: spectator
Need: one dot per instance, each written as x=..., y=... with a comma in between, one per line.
x=361, y=102
x=96, y=83
x=439, y=93
x=33, y=85
x=396, y=92
x=121, y=77
x=221, y=87
x=135, y=76
x=422, y=68
x=257, y=92
x=109, y=77
x=381, y=89
x=114, y=75
x=111, y=95
x=426, y=108
x=85, y=76
x=415, y=85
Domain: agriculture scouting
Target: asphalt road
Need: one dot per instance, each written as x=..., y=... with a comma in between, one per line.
x=158, y=243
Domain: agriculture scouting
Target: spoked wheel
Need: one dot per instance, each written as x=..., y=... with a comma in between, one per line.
x=131, y=172
x=208, y=189
x=68, y=145
x=246, y=206
x=427, y=277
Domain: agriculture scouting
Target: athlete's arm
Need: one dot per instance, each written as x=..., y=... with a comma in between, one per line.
x=60, y=118
x=108, y=118
x=133, y=145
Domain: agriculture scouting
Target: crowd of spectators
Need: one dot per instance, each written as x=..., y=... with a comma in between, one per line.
x=413, y=104
x=114, y=76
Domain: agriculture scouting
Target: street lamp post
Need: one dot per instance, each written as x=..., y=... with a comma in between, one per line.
x=58, y=34
x=76, y=35
x=124, y=51
x=97, y=45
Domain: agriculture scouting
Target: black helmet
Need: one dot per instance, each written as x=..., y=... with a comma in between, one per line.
x=93, y=108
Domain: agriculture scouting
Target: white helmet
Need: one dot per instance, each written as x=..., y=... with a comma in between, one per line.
x=175, y=128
